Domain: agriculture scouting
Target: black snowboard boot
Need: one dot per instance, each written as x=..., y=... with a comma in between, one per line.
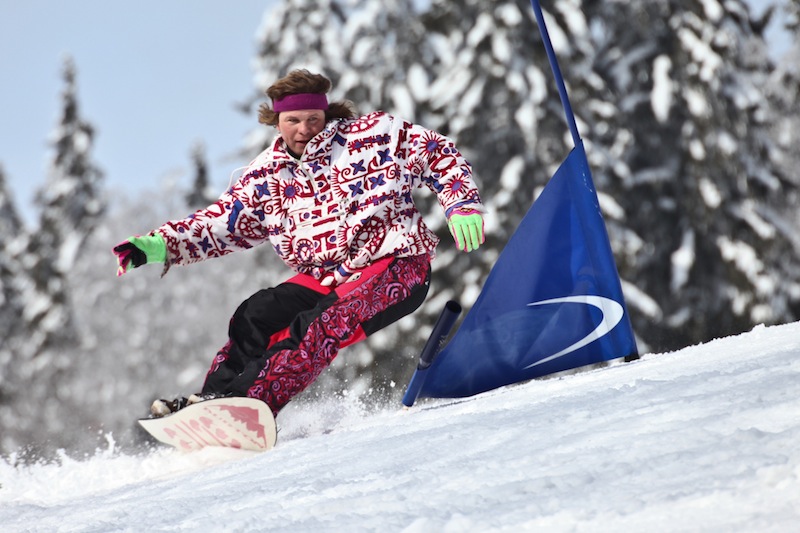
x=203, y=396
x=162, y=407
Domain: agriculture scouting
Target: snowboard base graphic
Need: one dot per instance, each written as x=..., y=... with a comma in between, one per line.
x=243, y=423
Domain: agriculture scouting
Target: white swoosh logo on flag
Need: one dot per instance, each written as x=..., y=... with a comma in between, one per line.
x=612, y=314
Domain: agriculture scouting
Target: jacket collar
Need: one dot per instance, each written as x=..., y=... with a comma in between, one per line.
x=320, y=143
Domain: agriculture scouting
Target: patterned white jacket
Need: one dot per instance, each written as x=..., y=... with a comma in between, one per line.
x=345, y=204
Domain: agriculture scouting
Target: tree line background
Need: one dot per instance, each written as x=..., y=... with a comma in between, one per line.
x=691, y=129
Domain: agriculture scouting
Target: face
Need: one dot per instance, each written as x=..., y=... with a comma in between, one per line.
x=299, y=127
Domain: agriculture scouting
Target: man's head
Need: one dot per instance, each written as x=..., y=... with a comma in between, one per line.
x=300, y=108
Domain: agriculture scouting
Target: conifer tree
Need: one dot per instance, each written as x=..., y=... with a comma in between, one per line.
x=12, y=237
x=783, y=87
x=683, y=128
x=36, y=280
x=71, y=203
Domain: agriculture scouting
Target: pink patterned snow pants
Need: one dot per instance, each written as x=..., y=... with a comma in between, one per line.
x=292, y=358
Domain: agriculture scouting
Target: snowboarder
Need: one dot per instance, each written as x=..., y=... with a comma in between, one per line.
x=332, y=194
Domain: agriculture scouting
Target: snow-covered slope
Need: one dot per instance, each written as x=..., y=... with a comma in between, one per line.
x=704, y=439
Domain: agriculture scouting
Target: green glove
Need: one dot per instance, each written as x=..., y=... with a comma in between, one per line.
x=466, y=227
x=136, y=251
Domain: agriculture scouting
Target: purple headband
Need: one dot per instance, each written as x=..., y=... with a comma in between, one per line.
x=294, y=102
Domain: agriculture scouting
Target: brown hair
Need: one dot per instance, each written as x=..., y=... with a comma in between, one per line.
x=303, y=81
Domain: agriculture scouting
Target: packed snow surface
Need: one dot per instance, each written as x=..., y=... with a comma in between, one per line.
x=703, y=439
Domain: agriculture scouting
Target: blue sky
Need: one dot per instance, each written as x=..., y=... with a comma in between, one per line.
x=154, y=77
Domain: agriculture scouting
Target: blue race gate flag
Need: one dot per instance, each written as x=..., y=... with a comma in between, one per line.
x=552, y=302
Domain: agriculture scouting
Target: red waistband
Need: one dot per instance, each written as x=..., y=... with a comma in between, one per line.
x=308, y=281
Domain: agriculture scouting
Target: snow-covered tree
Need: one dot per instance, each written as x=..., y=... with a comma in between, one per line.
x=783, y=88
x=12, y=237
x=71, y=202
x=680, y=131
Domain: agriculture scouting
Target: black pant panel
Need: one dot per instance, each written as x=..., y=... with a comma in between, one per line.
x=258, y=318
x=266, y=313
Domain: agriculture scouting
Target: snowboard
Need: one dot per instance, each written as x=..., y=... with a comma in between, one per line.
x=243, y=423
